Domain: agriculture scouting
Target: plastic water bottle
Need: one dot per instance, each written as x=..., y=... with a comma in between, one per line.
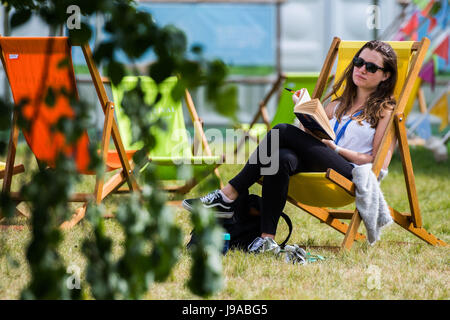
x=226, y=242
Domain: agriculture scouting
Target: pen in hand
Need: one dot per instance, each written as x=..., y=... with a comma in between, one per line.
x=290, y=90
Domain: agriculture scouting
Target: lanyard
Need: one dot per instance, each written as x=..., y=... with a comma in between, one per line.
x=341, y=132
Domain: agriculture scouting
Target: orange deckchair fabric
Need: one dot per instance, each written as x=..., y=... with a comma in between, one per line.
x=33, y=65
x=32, y=68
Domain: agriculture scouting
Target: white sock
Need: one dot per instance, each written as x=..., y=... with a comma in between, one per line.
x=224, y=197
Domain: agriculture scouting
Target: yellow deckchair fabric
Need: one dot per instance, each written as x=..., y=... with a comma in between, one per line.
x=413, y=96
x=348, y=49
x=313, y=188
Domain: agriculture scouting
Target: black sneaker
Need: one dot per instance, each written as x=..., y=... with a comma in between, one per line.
x=214, y=201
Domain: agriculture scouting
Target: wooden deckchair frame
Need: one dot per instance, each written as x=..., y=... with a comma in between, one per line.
x=16, y=170
x=396, y=130
x=110, y=130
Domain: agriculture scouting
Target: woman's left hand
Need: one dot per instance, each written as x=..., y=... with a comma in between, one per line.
x=329, y=143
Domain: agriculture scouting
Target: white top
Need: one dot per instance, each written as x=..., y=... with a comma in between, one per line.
x=356, y=137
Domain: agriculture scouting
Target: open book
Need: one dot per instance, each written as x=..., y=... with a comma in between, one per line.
x=312, y=116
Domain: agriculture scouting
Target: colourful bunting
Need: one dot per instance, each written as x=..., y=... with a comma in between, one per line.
x=442, y=49
x=443, y=14
x=440, y=110
x=423, y=130
x=422, y=31
x=421, y=3
x=427, y=9
x=412, y=24
x=427, y=73
x=433, y=23
x=426, y=13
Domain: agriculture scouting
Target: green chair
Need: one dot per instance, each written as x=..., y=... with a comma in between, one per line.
x=172, y=146
x=296, y=81
x=284, y=112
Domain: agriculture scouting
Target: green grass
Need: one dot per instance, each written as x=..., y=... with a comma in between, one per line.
x=399, y=266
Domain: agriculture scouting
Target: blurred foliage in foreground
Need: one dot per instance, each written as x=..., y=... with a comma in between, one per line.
x=152, y=240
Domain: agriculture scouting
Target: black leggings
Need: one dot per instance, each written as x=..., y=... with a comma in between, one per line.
x=297, y=152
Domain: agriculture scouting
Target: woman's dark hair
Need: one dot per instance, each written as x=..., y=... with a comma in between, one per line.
x=382, y=98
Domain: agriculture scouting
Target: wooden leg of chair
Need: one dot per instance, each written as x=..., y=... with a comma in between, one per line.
x=423, y=234
x=217, y=174
x=405, y=221
x=239, y=144
x=111, y=186
x=422, y=101
x=105, y=103
x=191, y=183
x=106, y=136
x=265, y=116
x=114, y=183
x=408, y=172
x=17, y=169
x=12, y=147
x=174, y=203
x=76, y=217
x=352, y=231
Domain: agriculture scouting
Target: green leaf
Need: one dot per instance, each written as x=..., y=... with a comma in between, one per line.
x=206, y=271
x=20, y=17
x=116, y=72
x=161, y=70
x=50, y=97
x=152, y=241
x=226, y=101
x=64, y=63
x=197, y=49
x=435, y=8
x=82, y=35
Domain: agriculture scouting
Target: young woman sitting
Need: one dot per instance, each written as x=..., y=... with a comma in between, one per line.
x=359, y=116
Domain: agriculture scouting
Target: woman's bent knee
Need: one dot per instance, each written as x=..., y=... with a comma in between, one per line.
x=288, y=161
x=281, y=126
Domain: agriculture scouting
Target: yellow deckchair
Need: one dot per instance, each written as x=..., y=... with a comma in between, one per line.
x=317, y=192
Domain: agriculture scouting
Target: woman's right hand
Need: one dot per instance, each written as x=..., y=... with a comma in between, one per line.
x=296, y=96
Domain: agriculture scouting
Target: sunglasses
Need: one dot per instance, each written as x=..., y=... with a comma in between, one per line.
x=370, y=67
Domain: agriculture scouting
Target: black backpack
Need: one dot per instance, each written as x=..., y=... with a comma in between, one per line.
x=245, y=225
